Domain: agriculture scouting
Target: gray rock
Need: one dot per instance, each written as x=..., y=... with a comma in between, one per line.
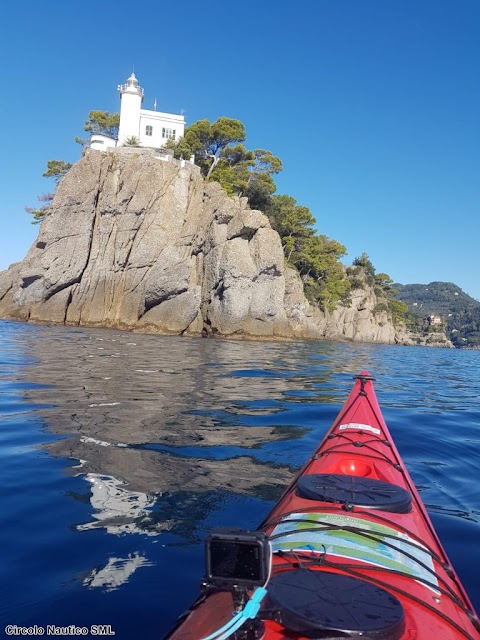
x=134, y=242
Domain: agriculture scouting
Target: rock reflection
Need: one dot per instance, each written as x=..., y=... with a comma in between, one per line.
x=116, y=572
x=457, y=513
x=118, y=396
x=115, y=507
x=151, y=471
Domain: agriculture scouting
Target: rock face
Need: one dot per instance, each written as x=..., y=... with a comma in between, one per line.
x=135, y=242
x=357, y=322
x=431, y=335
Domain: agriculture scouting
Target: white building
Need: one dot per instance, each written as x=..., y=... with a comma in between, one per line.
x=149, y=128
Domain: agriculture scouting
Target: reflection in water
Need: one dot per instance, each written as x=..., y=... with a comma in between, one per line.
x=142, y=408
x=120, y=400
x=163, y=418
x=116, y=508
x=457, y=513
x=116, y=572
x=173, y=436
x=150, y=471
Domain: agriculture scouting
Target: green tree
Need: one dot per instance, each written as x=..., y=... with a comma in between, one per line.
x=101, y=122
x=231, y=169
x=222, y=157
x=398, y=309
x=260, y=184
x=316, y=257
x=40, y=212
x=383, y=288
x=207, y=140
x=247, y=173
x=294, y=223
x=56, y=169
x=324, y=274
x=365, y=262
x=383, y=280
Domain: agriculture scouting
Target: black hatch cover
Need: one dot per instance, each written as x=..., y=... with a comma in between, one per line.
x=309, y=601
x=354, y=490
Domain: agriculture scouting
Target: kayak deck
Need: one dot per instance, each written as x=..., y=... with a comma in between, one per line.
x=354, y=553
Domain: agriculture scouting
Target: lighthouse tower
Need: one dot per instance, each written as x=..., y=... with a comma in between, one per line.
x=131, y=98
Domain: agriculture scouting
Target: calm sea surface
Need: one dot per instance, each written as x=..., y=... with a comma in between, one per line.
x=120, y=451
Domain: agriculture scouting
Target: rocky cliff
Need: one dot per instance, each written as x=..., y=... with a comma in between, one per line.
x=135, y=242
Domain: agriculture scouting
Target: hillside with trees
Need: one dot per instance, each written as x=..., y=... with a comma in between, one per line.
x=459, y=312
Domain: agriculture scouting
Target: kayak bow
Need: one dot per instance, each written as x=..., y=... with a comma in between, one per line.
x=352, y=551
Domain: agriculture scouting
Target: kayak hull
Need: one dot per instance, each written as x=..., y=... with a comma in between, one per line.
x=355, y=553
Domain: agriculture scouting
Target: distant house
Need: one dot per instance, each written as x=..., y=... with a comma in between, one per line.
x=434, y=320
x=150, y=129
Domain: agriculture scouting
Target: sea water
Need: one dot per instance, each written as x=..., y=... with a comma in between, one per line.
x=119, y=452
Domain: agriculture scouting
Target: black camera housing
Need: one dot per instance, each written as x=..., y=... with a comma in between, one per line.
x=237, y=558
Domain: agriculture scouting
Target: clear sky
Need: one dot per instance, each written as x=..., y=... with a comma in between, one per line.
x=372, y=105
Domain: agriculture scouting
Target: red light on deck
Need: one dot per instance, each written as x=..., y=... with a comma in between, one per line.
x=355, y=468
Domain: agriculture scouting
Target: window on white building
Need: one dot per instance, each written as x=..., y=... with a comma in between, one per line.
x=148, y=130
x=168, y=133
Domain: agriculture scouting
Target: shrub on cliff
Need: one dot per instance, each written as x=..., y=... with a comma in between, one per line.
x=316, y=257
x=56, y=169
x=382, y=286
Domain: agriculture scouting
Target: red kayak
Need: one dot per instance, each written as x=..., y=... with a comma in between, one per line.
x=348, y=552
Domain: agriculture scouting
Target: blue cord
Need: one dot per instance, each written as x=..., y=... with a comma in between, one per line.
x=225, y=627
x=249, y=612
x=253, y=605
x=231, y=630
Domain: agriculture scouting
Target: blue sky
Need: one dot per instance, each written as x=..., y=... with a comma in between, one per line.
x=372, y=105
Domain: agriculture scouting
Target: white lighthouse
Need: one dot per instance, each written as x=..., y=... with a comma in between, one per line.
x=131, y=98
x=150, y=129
